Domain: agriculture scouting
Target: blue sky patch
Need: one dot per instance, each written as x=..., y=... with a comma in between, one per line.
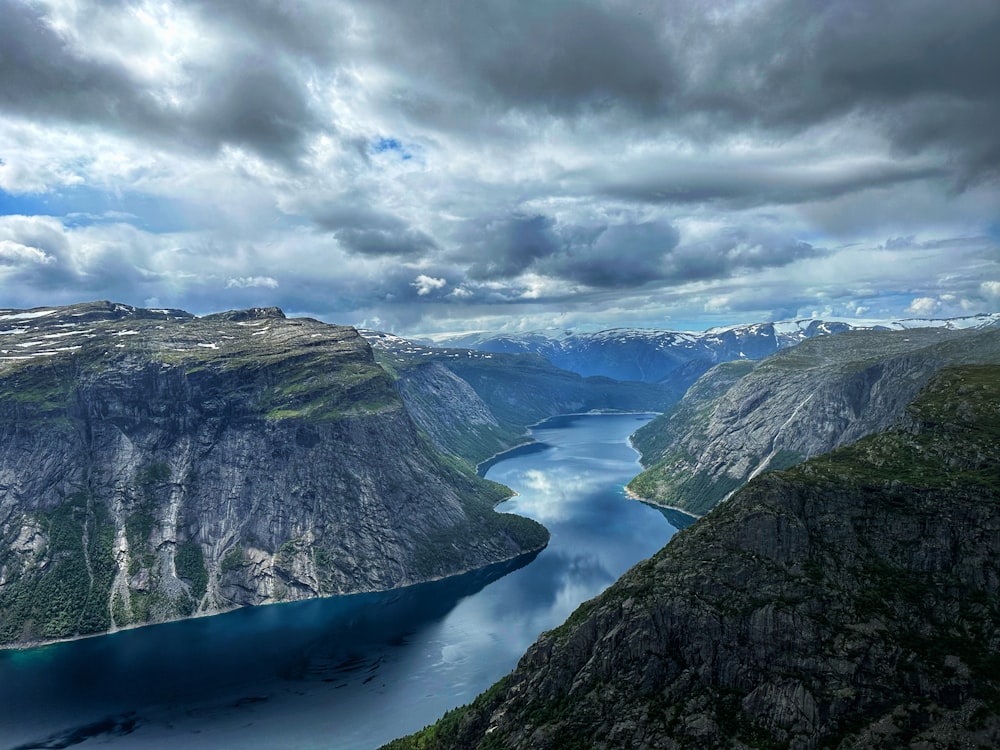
x=382, y=144
x=83, y=206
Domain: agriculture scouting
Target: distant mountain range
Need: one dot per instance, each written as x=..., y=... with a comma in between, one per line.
x=474, y=404
x=675, y=358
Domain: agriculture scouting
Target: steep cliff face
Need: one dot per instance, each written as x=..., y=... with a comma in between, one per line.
x=474, y=404
x=743, y=418
x=155, y=465
x=850, y=602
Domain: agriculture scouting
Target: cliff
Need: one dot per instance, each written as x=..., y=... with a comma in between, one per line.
x=743, y=418
x=474, y=404
x=155, y=465
x=849, y=602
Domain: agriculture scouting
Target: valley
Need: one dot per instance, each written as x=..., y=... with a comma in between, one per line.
x=160, y=466
x=848, y=602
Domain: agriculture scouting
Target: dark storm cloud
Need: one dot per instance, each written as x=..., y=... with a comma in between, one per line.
x=252, y=101
x=506, y=247
x=42, y=76
x=923, y=73
x=735, y=250
x=304, y=27
x=741, y=184
x=368, y=231
x=244, y=98
x=618, y=256
x=373, y=242
x=563, y=56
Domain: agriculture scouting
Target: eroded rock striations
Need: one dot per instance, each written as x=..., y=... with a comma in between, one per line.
x=743, y=417
x=849, y=602
x=155, y=465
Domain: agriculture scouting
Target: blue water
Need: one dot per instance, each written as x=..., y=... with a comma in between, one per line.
x=357, y=671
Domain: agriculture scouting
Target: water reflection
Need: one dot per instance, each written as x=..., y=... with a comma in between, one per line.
x=351, y=672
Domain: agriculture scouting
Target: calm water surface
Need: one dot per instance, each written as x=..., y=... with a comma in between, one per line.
x=355, y=671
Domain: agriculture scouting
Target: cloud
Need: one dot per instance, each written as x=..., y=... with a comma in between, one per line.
x=247, y=282
x=742, y=180
x=506, y=247
x=990, y=288
x=626, y=162
x=15, y=254
x=924, y=306
x=237, y=97
x=427, y=284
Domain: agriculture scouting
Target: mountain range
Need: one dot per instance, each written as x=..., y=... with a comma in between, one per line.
x=676, y=358
x=156, y=464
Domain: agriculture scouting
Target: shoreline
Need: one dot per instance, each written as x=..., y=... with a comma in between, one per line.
x=29, y=646
x=632, y=496
x=528, y=440
x=9, y=647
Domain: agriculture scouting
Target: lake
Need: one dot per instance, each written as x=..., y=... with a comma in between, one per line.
x=353, y=671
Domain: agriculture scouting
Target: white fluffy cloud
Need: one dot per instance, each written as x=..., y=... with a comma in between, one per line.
x=426, y=284
x=248, y=282
x=924, y=306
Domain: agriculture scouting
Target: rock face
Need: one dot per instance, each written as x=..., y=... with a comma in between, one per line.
x=474, y=404
x=850, y=602
x=155, y=465
x=742, y=418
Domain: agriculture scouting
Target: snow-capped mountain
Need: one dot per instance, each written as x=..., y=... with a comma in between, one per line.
x=680, y=357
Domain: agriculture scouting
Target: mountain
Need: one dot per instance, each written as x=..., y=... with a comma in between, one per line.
x=475, y=404
x=676, y=358
x=156, y=465
x=742, y=418
x=849, y=602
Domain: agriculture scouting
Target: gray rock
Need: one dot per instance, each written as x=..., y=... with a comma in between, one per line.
x=154, y=465
x=743, y=418
x=850, y=602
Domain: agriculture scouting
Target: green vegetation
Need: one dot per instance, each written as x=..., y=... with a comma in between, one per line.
x=695, y=492
x=232, y=560
x=148, y=477
x=189, y=561
x=39, y=388
x=119, y=612
x=443, y=734
x=958, y=408
x=65, y=592
x=864, y=578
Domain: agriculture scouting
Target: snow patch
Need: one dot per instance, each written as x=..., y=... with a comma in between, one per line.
x=25, y=315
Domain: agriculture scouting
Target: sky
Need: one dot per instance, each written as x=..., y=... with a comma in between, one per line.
x=440, y=165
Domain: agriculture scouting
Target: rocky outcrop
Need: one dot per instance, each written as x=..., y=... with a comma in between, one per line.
x=850, y=602
x=743, y=418
x=155, y=465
